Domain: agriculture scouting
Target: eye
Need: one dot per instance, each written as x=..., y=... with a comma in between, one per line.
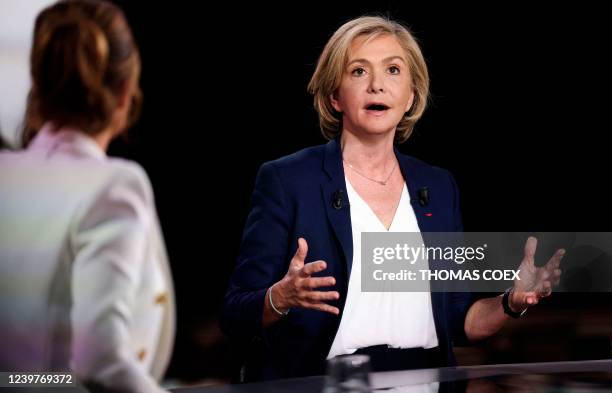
x=394, y=70
x=358, y=71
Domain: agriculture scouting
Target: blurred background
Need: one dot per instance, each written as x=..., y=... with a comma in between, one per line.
x=519, y=113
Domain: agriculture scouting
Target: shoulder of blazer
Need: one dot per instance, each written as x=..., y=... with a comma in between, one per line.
x=117, y=175
x=307, y=162
x=422, y=169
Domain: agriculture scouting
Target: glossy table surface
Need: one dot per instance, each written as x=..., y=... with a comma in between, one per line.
x=558, y=377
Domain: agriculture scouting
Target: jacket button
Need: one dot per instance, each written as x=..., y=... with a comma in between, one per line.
x=162, y=298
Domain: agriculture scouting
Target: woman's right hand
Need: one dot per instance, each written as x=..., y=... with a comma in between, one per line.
x=299, y=289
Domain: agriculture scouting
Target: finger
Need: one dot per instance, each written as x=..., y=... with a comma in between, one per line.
x=317, y=282
x=530, y=249
x=300, y=253
x=532, y=300
x=323, y=307
x=552, y=265
x=546, y=289
x=321, y=296
x=555, y=260
x=313, y=267
x=526, y=298
x=556, y=277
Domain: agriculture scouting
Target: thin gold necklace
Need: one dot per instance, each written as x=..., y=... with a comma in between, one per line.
x=381, y=182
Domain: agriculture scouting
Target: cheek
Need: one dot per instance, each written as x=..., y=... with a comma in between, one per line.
x=400, y=85
x=349, y=101
x=403, y=94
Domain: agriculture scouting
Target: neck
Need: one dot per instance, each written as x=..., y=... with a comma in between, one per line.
x=373, y=154
x=104, y=138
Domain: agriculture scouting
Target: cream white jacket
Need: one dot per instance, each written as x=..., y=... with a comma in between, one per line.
x=85, y=283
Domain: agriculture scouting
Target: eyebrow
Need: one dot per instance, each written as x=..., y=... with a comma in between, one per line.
x=385, y=60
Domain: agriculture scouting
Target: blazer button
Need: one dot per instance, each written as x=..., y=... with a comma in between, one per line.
x=162, y=298
x=141, y=354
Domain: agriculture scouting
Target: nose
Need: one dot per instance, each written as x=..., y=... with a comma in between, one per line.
x=376, y=83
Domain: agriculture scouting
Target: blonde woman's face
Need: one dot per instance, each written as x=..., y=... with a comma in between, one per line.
x=376, y=88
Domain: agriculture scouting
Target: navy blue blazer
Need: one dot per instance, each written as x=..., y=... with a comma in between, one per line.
x=293, y=198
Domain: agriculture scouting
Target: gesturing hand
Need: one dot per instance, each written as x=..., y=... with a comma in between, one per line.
x=535, y=282
x=299, y=289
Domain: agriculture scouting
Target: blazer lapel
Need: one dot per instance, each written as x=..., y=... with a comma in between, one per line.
x=335, y=200
x=415, y=181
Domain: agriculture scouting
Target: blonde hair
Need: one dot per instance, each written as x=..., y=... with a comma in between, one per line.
x=332, y=63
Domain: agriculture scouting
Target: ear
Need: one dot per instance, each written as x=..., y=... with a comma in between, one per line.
x=124, y=97
x=124, y=105
x=410, y=102
x=333, y=98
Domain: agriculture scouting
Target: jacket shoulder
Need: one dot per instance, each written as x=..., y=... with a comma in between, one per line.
x=303, y=163
x=429, y=171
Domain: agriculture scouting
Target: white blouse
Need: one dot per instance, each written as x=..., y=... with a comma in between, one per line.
x=398, y=319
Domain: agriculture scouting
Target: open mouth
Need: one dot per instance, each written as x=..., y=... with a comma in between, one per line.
x=377, y=107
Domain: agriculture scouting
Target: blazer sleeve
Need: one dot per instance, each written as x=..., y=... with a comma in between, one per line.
x=262, y=259
x=109, y=240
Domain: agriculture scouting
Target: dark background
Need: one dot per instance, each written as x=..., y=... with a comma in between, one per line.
x=519, y=114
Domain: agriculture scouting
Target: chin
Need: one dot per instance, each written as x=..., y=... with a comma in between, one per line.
x=379, y=129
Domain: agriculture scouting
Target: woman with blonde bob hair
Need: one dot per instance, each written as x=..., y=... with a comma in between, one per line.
x=296, y=287
x=331, y=66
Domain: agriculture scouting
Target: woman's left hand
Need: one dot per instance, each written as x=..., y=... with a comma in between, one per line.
x=534, y=282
